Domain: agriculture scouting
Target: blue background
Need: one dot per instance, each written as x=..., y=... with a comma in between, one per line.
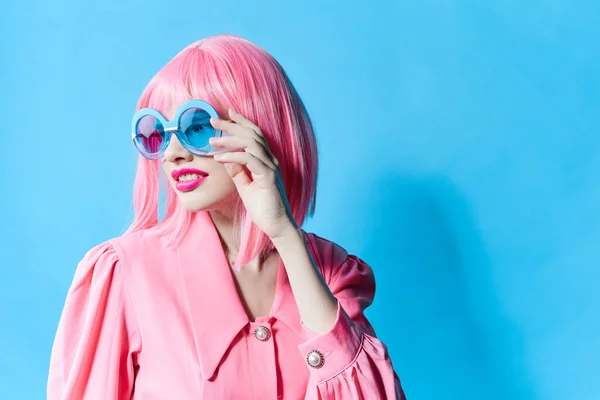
x=460, y=157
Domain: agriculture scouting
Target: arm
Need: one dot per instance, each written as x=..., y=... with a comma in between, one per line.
x=317, y=305
x=331, y=294
x=356, y=364
x=94, y=350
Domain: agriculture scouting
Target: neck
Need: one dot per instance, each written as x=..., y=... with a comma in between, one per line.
x=224, y=224
x=229, y=235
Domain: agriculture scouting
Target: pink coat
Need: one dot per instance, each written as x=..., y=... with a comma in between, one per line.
x=142, y=321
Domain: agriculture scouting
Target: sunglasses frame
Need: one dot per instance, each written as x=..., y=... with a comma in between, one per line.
x=173, y=126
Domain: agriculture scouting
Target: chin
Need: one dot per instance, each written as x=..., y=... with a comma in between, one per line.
x=195, y=202
x=195, y=206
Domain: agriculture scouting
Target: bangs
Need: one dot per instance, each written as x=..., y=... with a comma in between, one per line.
x=189, y=75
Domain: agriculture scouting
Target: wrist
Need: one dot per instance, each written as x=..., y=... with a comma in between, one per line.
x=290, y=235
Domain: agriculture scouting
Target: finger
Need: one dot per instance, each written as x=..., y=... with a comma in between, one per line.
x=231, y=127
x=238, y=174
x=238, y=130
x=254, y=164
x=242, y=120
x=248, y=144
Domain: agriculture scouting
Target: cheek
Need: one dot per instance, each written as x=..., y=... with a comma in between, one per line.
x=222, y=182
x=216, y=169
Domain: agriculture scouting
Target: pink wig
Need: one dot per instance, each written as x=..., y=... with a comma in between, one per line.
x=228, y=71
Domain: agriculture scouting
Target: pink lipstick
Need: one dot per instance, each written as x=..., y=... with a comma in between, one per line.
x=188, y=184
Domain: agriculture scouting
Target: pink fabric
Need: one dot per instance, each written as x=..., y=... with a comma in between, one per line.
x=142, y=321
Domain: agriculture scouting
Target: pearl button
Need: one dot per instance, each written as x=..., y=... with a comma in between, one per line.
x=315, y=359
x=262, y=333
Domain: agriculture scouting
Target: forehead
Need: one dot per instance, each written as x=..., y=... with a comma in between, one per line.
x=170, y=110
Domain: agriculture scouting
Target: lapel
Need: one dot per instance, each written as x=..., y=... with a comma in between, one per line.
x=214, y=306
x=216, y=312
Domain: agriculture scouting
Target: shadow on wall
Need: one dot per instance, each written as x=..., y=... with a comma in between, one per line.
x=436, y=303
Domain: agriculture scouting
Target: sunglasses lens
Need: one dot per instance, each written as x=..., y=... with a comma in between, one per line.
x=195, y=126
x=150, y=134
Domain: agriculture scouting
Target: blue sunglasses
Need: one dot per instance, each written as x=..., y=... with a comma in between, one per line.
x=151, y=131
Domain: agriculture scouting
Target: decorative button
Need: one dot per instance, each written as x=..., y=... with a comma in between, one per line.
x=262, y=333
x=315, y=359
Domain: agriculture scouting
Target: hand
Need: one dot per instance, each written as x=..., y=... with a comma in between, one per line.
x=255, y=172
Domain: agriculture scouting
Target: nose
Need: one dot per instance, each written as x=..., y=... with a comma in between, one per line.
x=175, y=152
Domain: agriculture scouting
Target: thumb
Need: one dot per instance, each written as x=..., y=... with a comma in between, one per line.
x=238, y=173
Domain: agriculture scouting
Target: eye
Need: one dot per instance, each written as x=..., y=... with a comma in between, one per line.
x=196, y=129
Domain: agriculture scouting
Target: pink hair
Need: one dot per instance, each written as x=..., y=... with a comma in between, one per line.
x=228, y=71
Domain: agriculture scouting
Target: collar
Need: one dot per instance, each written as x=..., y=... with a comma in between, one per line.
x=216, y=311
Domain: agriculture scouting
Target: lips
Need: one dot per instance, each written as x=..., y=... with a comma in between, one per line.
x=188, y=179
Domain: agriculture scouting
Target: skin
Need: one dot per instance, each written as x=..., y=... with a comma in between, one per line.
x=252, y=174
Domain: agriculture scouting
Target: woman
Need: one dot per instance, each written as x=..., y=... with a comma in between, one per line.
x=226, y=297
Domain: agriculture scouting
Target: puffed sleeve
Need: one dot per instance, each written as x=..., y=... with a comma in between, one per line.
x=97, y=341
x=348, y=362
